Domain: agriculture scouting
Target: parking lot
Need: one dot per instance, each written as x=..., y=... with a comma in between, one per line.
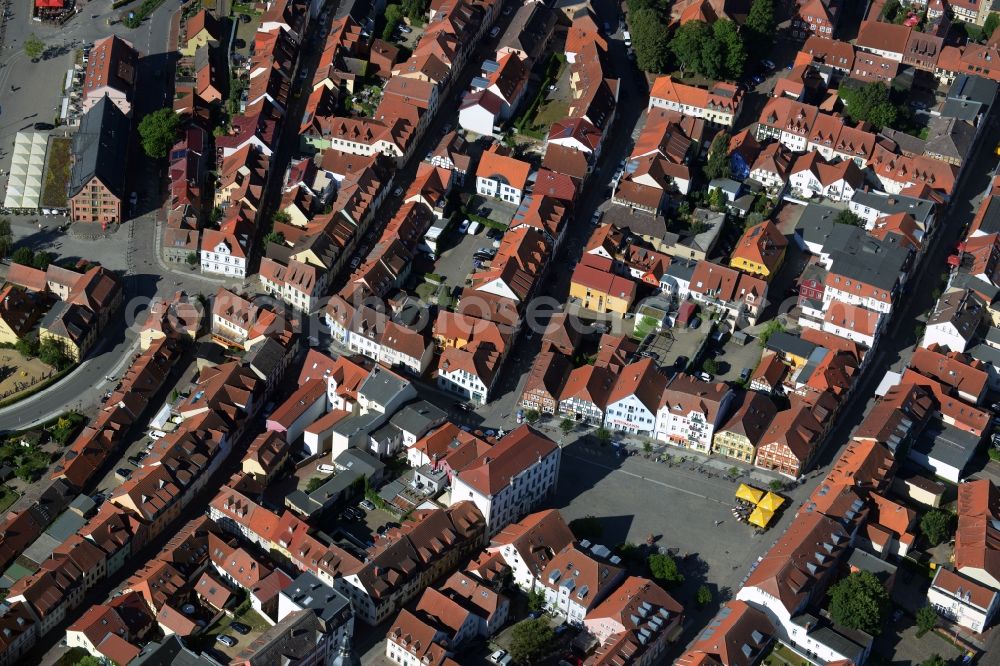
x=456, y=263
x=732, y=357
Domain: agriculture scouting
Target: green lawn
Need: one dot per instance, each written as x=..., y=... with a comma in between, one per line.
x=550, y=112
x=425, y=290
x=781, y=655
x=57, y=173
x=7, y=497
x=643, y=327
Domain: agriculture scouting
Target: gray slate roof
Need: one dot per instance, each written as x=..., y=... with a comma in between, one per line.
x=947, y=444
x=969, y=96
x=417, y=417
x=308, y=591
x=100, y=146
x=887, y=204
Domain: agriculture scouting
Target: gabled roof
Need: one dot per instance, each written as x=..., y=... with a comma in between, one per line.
x=98, y=146
x=514, y=454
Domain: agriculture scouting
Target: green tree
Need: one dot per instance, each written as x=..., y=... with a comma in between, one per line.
x=936, y=526
x=991, y=25
x=926, y=619
x=588, y=528
x=275, y=237
x=934, y=660
x=847, y=217
x=859, y=602
x=314, y=483
x=770, y=328
x=567, y=425
x=282, y=216
x=158, y=132
x=889, y=11
x=651, y=41
x=51, y=352
x=27, y=347
x=23, y=255
x=664, y=569
x=870, y=103
x=777, y=485
x=532, y=415
x=192, y=259
x=536, y=601
x=42, y=260
x=703, y=597
x=733, y=49
x=393, y=15
x=4, y=226
x=603, y=436
x=688, y=45
x=717, y=165
x=530, y=639
x=6, y=243
x=716, y=201
x=415, y=10
x=759, y=26
x=711, y=366
x=34, y=47
x=89, y=660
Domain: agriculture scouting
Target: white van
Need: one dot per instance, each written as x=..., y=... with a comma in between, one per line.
x=627, y=37
x=326, y=469
x=473, y=229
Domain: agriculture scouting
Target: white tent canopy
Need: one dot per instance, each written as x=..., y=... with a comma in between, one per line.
x=24, y=186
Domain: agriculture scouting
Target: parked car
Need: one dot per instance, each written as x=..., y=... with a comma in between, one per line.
x=474, y=228
x=745, y=374
x=405, y=29
x=124, y=472
x=245, y=18
x=500, y=657
x=44, y=126
x=704, y=376
x=240, y=628
x=464, y=227
x=694, y=323
x=767, y=63
x=367, y=505
x=494, y=32
x=133, y=198
x=398, y=192
x=326, y=469
x=228, y=641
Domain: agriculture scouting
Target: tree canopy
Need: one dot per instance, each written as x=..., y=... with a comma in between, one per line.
x=926, y=619
x=715, y=51
x=650, y=40
x=717, y=165
x=847, y=217
x=531, y=639
x=859, y=602
x=936, y=526
x=870, y=103
x=664, y=569
x=158, y=132
x=991, y=25
x=759, y=26
x=33, y=46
